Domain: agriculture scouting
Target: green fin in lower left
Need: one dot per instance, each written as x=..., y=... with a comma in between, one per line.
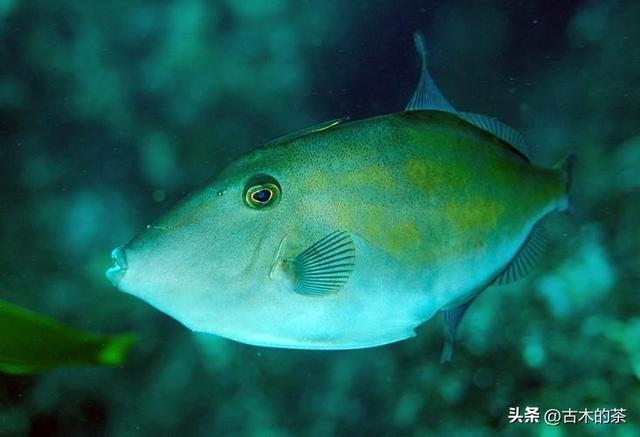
x=116, y=348
x=324, y=267
x=31, y=343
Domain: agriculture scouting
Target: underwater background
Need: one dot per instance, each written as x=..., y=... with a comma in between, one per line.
x=112, y=111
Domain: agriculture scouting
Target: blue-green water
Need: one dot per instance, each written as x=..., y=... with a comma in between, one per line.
x=112, y=111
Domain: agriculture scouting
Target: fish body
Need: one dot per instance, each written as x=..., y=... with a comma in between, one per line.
x=347, y=235
x=32, y=343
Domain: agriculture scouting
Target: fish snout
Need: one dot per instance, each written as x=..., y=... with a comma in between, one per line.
x=116, y=273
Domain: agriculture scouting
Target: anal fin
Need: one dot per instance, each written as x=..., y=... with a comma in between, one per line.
x=525, y=259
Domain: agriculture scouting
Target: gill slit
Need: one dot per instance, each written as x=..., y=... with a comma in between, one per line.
x=278, y=256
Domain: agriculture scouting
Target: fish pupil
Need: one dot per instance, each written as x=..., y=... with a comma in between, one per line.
x=262, y=196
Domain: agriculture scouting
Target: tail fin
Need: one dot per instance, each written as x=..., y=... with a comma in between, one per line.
x=115, y=350
x=566, y=166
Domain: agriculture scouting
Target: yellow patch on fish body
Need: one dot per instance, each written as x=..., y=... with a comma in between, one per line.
x=474, y=215
x=430, y=177
x=403, y=235
x=386, y=231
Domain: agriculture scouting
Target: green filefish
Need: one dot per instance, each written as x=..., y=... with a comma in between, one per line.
x=350, y=234
x=32, y=343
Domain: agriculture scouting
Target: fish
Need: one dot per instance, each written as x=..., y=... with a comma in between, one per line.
x=350, y=234
x=31, y=343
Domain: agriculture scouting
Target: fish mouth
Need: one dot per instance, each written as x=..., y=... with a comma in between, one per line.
x=116, y=273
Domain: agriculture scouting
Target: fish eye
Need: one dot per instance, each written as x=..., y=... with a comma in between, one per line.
x=262, y=191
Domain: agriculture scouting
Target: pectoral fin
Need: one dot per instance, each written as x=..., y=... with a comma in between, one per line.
x=324, y=267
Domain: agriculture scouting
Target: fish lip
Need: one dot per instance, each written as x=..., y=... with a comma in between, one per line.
x=115, y=273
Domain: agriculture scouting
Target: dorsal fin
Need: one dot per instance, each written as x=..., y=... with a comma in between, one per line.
x=525, y=259
x=494, y=126
x=306, y=131
x=427, y=95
